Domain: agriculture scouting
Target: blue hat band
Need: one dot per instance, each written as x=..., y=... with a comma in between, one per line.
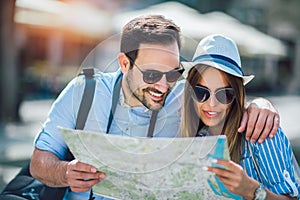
x=221, y=60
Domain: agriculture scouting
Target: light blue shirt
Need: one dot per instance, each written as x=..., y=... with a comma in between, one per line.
x=127, y=121
x=274, y=157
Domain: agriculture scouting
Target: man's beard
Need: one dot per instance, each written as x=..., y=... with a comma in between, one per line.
x=147, y=104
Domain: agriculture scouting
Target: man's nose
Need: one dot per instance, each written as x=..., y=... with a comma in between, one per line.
x=162, y=85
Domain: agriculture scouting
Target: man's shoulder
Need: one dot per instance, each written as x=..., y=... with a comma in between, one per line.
x=106, y=76
x=103, y=79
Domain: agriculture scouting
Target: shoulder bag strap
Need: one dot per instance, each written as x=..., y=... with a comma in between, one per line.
x=87, y=98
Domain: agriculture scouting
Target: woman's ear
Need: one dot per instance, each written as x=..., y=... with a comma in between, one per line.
x=124, y=62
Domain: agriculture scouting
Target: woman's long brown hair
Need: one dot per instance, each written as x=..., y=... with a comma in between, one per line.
x=191, y=123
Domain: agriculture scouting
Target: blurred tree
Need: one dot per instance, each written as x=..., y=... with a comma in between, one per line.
x=8, y=69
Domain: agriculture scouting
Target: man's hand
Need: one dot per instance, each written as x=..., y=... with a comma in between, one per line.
x=49, y=169
x=260, y=120
x=81, y=177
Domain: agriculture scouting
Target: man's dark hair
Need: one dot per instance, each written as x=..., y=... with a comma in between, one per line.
x=151, y=29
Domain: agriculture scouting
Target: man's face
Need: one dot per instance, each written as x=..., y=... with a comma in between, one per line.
x=151, y=57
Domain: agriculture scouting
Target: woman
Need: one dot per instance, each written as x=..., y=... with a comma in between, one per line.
x=213, y=105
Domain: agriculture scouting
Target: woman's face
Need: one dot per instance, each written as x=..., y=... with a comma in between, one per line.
x=211, y=112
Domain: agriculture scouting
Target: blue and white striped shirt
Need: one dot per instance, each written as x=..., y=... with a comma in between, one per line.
x=275, y=162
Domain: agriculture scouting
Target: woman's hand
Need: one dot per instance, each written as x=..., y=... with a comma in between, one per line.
x=235, y=179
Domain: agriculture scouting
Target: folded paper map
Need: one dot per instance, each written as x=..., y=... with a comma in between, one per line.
x=151, y=168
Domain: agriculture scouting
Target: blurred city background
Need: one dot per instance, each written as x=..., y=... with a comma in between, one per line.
x=45, y=43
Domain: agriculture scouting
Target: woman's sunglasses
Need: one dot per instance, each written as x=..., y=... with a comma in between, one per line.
x=223, y=95
x=153, y=76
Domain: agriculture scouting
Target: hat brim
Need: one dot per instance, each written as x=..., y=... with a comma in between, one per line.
x=188, y=65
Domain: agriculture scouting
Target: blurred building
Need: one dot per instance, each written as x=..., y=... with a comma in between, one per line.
x=279, y=19
x=53, y=38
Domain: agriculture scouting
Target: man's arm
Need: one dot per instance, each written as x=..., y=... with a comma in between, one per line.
x=52, y=171
x=260, y=120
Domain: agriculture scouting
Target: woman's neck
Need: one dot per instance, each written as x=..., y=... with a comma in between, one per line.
x=215, y=130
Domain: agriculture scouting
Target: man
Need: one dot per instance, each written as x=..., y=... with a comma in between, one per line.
x=149, y=69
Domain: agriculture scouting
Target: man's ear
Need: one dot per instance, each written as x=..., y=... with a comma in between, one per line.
x=124, y=62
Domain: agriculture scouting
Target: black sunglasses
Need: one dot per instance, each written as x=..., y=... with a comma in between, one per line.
x=223, y=95
x=153, y=76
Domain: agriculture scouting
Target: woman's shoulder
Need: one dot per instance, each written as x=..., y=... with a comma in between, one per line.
x=279, y=142
x=280, y=136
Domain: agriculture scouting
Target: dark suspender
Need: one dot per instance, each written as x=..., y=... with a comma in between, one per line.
x=87, y=98
x=115, y=97
x=152, y=123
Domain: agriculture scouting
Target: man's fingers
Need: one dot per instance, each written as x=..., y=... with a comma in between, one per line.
x=81, y=177
x=268, y=127
x=243, y=125
x=258, y=126
x=87, y=176
x=275, y=126
x=82, y=182
x=83, y=186
x=263, y=120
x=253, y=115
x=79, y=166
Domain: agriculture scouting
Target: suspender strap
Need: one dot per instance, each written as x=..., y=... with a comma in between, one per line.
x=87, y=98
x=152, y=123
x=115, y=98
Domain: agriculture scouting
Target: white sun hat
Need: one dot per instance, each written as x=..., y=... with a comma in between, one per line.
x=221, y=53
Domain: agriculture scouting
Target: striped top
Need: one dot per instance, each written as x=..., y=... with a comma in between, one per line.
x=275, y=161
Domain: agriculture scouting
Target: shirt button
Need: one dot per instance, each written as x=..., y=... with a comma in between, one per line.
x=126, y=129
